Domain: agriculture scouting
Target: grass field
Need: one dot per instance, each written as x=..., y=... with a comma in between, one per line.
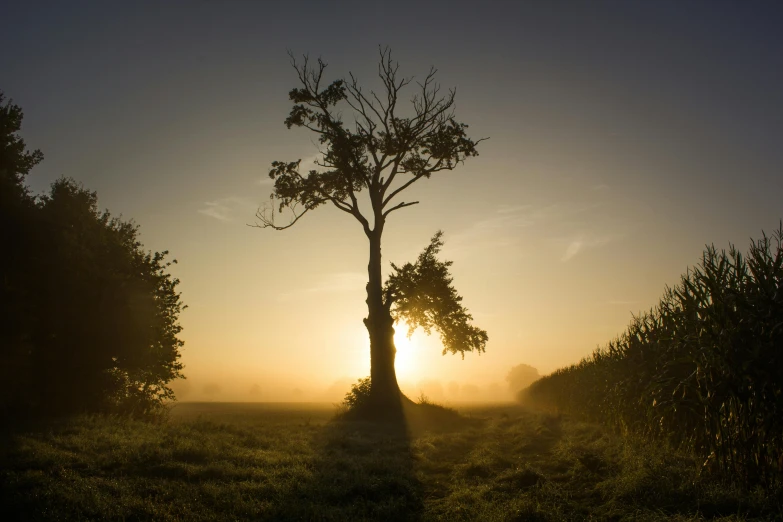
x=222, y=461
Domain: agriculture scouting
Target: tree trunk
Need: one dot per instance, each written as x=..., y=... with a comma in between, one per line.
x=385, y=392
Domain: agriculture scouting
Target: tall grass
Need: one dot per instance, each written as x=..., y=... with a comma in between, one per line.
x=703, y=370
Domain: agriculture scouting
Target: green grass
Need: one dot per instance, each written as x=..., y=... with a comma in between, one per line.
x=294, y=462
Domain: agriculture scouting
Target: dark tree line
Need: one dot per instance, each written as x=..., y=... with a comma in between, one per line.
x=88, y=318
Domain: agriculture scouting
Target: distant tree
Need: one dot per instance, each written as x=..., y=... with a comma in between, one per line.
x=90, y=319
x=520, y=377
x=384, y=154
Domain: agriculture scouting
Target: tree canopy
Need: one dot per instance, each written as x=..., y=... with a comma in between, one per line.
x=384, y=153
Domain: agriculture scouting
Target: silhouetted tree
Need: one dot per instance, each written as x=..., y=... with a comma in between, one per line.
x=108, y=309
x=89, y=316
x=17, y=212
x=382, y=155
x=521, y=376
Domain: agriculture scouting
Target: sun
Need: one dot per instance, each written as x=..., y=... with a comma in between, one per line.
x=405, y=361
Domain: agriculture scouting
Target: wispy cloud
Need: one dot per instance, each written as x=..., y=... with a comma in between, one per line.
x=568, y=226
x=333, y=283
x=502, y=228
x=508, y=209
x=581, y=243
x=229, y=209
x=573, y=249
x=492, y=231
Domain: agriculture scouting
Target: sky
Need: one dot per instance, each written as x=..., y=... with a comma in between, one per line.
x=624, y=136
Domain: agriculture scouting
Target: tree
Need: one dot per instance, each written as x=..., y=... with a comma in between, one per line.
x=381, y=156
x=520, y=377
x=89, y=318
x=107, y=310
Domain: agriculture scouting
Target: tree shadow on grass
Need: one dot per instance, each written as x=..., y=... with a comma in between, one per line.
x=364, y=466
x=361, y=470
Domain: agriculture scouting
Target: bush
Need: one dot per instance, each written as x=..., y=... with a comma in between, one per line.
x=359, y=395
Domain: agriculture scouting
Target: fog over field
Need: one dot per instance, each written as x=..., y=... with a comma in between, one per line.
x=235, y=388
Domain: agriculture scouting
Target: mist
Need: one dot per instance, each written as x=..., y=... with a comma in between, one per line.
x=233, y=387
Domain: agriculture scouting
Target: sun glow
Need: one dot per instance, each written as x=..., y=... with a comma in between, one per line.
x=405, y=362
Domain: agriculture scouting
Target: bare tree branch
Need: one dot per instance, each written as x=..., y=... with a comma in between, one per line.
x=401, y=205
x=266, y=218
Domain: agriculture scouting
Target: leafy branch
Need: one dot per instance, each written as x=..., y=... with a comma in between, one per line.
x=422, y=294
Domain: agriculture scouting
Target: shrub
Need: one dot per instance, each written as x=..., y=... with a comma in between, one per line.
x=359, y=395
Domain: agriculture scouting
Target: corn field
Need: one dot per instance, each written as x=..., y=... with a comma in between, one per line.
x=702, y=371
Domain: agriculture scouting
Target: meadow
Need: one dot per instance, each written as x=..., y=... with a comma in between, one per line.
x=240, y=461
